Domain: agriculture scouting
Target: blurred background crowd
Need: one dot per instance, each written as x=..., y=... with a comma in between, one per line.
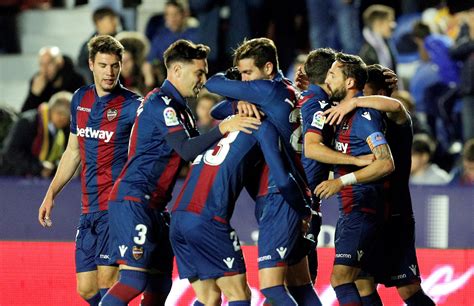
x=429, y=44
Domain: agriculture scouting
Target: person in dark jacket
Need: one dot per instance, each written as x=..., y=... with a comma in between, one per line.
x=36, y=141
x=56, y=73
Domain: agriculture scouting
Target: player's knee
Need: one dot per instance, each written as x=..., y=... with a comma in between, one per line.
x=365, y=287
x=237, y=293
x=107, y=278
x=342, y=275
x=407, y=291
x=86, y=291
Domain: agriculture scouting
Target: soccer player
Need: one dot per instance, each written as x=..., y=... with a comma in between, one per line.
x=201, y=215
x=317, y=136
x=102, y=118
x=361, y=132
x=164, y=136
x=399, y=267
x=264, y=85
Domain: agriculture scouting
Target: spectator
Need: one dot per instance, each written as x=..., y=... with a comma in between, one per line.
x=37, y=140
x=463, y=175
x=56, y=73
x=423, y=172
x=329, y=24
x=379, y=22
x=463, y=50
x=106, y=22
x=204, y=104
x=136, y=48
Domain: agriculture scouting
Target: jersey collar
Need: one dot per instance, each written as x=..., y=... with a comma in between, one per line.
x=168, y=89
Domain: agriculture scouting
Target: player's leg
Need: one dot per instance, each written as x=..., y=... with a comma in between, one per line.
x=132, y=235
x=86, y=269
x=368, y=291
x=278, y=232
x=355, y=233
x=161, y=266
x=107, y=269
x=298, y=280
x=235, y=289
x=207, y=292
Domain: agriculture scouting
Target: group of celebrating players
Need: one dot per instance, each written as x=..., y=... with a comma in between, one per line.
x=278, y=140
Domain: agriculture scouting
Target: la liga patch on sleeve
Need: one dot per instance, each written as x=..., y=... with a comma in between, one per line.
x=318, y=120
x=171, y=119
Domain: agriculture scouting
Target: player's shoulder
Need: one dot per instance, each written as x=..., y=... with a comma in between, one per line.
x=158, y=99
x=368, y=114
x=130, y=96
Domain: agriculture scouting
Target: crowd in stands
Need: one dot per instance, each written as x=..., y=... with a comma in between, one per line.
x=436, y=35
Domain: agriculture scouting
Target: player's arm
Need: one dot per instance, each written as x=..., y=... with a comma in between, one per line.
x=190, y=147
x=393, y=107
x=253, y=91
x=293, y=190
x=314, y=148
x=382, y=166
x=223, y=109
x=67, y=167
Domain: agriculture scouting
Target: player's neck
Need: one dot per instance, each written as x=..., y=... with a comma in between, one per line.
x=351, y=93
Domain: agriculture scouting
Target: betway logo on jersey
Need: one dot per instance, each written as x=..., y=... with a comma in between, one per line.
x=341, y=147
x=98, y=134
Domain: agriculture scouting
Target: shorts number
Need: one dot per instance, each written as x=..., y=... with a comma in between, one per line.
x=217, y=155
x=142, y=229
x=235, y=240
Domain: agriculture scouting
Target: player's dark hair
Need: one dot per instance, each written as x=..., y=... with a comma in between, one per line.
x=261, y=50
x=376, y=79
x=185, y=51
x=376, y=12
x=103, y=12
x=420, y=30
x=318, y=63
x=353, y=67
x=104, y=44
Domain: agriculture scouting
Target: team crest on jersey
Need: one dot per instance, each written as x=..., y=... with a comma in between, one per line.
x=111, y=114
x=318, y=120
x=137, y=252
x=170, y=116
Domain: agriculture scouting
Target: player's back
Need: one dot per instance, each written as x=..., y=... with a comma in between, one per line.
x=217, y=177
x=103, y=126
x=153, y=166
x=397, y=194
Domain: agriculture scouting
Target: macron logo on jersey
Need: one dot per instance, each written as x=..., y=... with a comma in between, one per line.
x=98, y=134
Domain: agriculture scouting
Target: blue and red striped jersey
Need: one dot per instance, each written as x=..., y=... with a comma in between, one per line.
x=359, y=131
x=217, y=176
x=153, y=165
x=313, y=102
x=277, y=99
x=102, y=126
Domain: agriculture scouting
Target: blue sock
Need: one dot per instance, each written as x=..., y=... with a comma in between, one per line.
x=278, y=296
x=131, y=283
x=95, y=300
x=372, y=299
x=157, y=289
x=419, y=299
x=304, y=295
x=103, y=291
x=239, y=303
x=197, y=303
x=347, y=294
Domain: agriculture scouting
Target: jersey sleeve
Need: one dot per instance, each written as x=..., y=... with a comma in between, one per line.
x=223, y=109
x=313, y=118
x=280, y=171
x=74, y=103
x=256, y=92
x=370, y=127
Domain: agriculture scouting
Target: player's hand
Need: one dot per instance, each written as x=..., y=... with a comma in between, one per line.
x=239, y=123
x=301, y=79
x=328, y=188
x=391, y=78
x=38, y=84
x=335, y=114
x=364, y=160
x=44, y=214
x=247, y=109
